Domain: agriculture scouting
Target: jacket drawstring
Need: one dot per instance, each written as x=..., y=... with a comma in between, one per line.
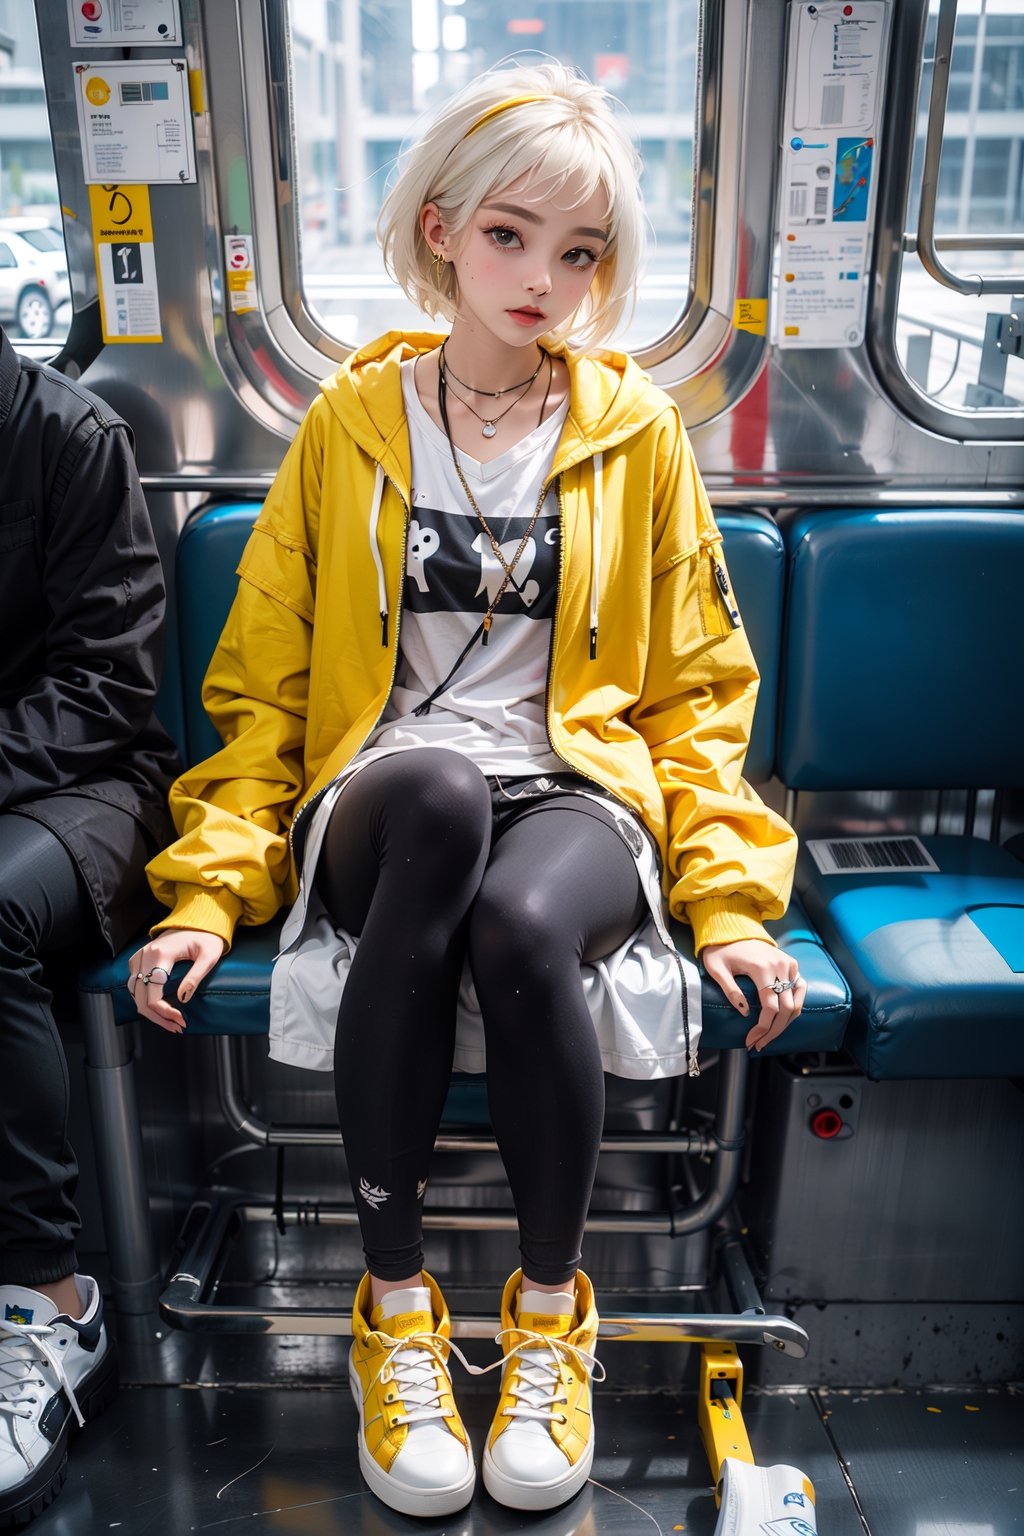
x=382, y=591
x=595, y=552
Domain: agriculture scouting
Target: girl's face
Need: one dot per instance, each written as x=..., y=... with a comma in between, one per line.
x=527, y=257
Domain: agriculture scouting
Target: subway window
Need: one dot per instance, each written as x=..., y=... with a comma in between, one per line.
x=365, y=72
x=951, y=344
x=35, y=290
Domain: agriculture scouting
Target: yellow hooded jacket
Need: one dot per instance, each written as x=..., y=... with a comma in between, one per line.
x=651, y=682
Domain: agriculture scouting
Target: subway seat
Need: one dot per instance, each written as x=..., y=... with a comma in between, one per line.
x=900, y=668
x=234, y=999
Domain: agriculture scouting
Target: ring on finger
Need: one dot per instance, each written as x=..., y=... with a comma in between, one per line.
x=778, y=987
x=147, y=976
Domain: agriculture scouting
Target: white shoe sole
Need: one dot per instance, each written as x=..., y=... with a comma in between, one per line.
x=406, y=1498
x=533, y=1496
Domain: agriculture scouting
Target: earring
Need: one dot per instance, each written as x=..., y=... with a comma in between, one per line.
x=438, y=260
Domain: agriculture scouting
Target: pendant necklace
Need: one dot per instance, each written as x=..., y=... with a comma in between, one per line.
x=490, y=423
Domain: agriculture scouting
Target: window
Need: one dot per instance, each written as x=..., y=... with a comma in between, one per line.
x=364, y=71
x=941, y=334
x=29, y=202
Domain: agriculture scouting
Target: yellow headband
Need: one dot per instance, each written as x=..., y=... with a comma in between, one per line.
x=503, y=106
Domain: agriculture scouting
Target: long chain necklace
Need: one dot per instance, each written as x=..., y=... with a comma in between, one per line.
x=508, y=566
x=492, y=394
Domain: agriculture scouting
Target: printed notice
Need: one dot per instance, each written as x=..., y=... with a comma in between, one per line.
x=834, y=79
x=145, y=22
x=240, y=272
x=135, y=119
x=122, y=237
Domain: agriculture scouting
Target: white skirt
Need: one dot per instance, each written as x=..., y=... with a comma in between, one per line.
x=644, y=999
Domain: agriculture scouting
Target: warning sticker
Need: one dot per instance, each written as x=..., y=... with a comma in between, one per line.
x=122, y=235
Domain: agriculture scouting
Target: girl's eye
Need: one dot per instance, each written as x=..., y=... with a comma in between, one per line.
x=580, y=257
x=504, y=238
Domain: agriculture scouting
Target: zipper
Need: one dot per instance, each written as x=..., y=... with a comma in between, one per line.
x=309, y=804
x=722, y=582
x=692, y=1066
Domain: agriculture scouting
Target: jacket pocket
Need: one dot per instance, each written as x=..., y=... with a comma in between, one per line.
x=17, y=524
x=719, y=614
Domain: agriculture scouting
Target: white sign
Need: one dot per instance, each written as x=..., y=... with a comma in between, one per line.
x=135, y=119
x=834, y=79
x=94, y=23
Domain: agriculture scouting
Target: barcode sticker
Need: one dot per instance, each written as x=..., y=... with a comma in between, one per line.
x=867, y=855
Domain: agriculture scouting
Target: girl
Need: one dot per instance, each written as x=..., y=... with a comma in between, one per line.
x=485, y=698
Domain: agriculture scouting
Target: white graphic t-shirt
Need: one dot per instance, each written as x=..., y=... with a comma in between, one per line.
x=493, y=708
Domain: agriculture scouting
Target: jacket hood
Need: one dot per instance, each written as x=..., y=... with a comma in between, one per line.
x=610, y=399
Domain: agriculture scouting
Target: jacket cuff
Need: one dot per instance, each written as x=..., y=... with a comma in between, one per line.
x=724, y=920
x=210, y=911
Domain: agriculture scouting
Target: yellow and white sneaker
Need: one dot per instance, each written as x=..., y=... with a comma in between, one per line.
x=413, y=1449
x=541, y=1445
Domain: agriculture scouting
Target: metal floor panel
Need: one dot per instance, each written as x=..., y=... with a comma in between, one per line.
x=933, y=1463
x=169, y=1461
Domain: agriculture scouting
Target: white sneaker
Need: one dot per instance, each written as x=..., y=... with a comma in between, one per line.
x=55, y=1373
x=413, y=1448
x=541, y=1445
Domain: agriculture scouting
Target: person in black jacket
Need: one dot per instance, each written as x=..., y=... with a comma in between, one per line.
x=84, y=772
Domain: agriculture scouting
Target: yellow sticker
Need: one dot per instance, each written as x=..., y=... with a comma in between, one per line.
x=122, y=239
x=751, y=315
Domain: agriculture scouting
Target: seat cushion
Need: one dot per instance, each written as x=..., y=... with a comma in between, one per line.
x=235, y=997
x=935, y=960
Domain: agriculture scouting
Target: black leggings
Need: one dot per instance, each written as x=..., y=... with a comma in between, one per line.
x=412, y=864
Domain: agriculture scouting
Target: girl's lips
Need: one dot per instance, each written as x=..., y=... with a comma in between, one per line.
x=527, y=316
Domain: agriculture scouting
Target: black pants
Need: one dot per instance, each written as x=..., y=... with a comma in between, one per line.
x=426, y=863
x=44, y=909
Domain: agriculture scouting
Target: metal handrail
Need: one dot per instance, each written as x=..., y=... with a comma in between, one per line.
x=991, y=242
x=927, y=246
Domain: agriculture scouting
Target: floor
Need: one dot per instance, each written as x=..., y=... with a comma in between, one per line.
x=280, y=1457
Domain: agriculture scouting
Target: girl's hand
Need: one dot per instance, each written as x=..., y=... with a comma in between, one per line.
x=149, y=971
x=764, y=964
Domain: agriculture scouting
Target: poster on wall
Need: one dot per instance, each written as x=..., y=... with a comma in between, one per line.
x=135, y=120
x=835, y=75
x=122, y=238
x=147, y=23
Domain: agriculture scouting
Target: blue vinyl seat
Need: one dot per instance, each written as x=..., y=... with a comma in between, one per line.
x=900, y=668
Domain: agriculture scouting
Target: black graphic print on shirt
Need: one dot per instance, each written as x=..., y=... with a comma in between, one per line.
x=452, y=568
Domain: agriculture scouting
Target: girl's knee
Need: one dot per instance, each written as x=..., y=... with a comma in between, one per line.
x=438, y=803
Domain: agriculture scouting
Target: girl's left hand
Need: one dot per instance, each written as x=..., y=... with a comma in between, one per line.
x=764, y=964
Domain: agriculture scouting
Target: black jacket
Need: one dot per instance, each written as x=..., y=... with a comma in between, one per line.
x=81, y=614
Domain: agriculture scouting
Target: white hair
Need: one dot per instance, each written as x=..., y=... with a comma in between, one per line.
x=569, y=133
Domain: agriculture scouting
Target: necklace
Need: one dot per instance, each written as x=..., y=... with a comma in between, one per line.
x=492, y=394
x=490, y=423
x=508, y=566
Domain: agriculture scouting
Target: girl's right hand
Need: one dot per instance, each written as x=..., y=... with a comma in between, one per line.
x=150, y=967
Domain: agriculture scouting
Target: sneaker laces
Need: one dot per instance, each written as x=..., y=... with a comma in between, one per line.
x=22, y=1345
x=419, y=1370
x=537, y=1382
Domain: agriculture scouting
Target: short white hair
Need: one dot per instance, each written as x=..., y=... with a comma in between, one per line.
x=569, y=133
